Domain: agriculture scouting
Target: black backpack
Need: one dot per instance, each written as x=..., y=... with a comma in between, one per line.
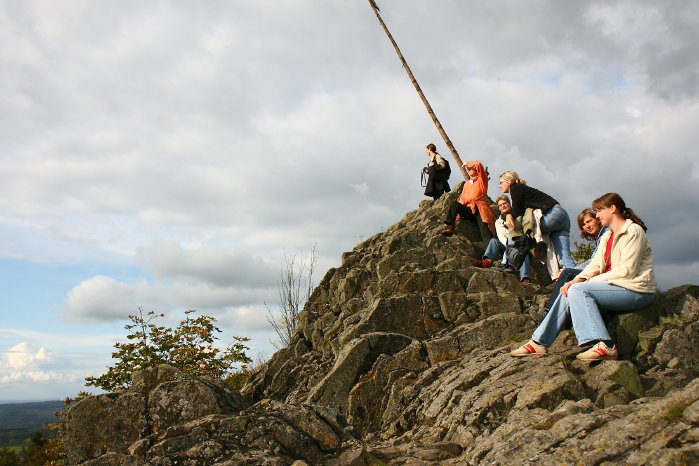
x=516, y=253
x=438, y=174
x=446, y=171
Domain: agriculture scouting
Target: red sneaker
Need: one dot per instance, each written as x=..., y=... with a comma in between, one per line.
x=482, y=263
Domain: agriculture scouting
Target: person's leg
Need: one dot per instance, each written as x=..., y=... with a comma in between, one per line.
x=456, y=208
x=486, y=234
x=494, y=250
x=586, y=299
x=526, y=270
x=556, y=223
x=452, y=212
x=506, y=265
x=554, y=322
x=561, y=243
x=565, y=276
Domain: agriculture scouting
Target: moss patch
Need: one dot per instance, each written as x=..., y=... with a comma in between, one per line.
x=673, y=412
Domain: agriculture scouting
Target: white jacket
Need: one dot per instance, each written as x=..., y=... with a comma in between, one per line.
x=631, y=258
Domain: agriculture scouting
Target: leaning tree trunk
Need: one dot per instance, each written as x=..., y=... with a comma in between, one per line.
x=447, y=141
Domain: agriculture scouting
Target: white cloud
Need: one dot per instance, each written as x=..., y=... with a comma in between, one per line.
x=179, y=127
x=102, y=297
x=81, y=343
x=46, y=366
x=197, y=142
x=27, y=363
x=32, y=377
x=24, y=355
x=210, y=263
x=247, y=319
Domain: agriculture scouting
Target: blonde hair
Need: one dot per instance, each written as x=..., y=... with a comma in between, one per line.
x=512, y=177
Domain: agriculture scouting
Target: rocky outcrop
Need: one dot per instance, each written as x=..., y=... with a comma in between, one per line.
x=169, y=417
x=401, y=358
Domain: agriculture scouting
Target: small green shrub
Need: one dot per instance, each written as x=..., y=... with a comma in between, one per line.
x=189, y=347
x=673, y=412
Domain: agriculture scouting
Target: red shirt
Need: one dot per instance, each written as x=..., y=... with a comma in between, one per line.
x=608, y=253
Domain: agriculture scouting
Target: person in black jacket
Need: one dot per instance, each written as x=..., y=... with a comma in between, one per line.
x=437, y=172
x=555, y=220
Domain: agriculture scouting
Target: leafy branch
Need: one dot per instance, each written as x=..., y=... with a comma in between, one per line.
x=190, y=347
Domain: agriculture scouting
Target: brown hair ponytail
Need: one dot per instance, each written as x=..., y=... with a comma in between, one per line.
x=629, y=213
x=610, y=199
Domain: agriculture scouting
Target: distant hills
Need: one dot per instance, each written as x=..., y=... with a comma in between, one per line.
x=19, y=421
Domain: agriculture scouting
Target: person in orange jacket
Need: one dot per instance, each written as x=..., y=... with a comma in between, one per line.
x=473, y=203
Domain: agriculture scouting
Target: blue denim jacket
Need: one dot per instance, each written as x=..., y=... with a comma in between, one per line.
x=599, y=235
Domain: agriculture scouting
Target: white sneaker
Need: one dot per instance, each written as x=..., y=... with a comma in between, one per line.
x=531, y=348
x=599, y=352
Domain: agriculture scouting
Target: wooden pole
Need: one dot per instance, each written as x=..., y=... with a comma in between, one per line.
x=435, y=120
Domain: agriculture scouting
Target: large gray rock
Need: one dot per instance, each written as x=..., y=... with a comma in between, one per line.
x=159, y=399
x=356, y=359
x=156, y=422
x=652, y=432
x=401, y=358
x=102, y=425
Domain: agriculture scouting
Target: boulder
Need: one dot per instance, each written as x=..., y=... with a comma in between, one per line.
x=356, y=359
x=613, y=383
x=103, y=425
x=159, y=399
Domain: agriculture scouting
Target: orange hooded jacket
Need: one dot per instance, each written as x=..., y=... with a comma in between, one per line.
x=475, y=194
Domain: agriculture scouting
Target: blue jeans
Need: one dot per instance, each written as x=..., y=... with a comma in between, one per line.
x=582, y=308
x=556, y=223
x=565, y=276
x=496, y=250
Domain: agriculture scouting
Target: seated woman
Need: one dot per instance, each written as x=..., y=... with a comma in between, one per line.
x=555, y=220
x=590, y=229
x=473, y=202
x=497, y=246
x=619, y=278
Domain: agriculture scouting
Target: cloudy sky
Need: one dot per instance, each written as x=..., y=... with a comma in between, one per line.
x=168, y=154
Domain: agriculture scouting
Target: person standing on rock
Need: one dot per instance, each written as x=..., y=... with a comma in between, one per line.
x=473, y=203
x=437, y=172
x=619, y=278
x=497, y=246
x=555, y=220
